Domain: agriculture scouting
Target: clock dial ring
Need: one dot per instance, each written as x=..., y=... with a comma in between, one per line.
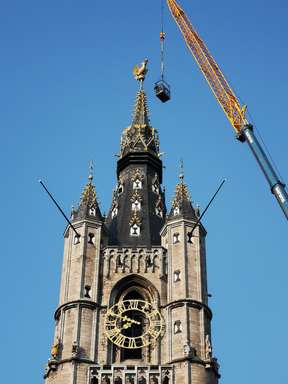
x=121, y=317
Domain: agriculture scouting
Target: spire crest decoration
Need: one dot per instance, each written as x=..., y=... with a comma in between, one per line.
x=140, y=72
x=88, y=206
x=140, y=136
x=91, y=171
x=181, y=173
x=181, y=203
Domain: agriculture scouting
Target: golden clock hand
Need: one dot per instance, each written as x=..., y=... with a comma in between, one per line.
x=131, y=320
x=126, y=318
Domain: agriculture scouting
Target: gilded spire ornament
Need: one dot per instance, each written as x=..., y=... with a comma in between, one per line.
x=140, y=136
x=140, y=72
x=135, y=219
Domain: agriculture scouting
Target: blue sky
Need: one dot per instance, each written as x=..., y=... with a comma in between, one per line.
x=67, y=92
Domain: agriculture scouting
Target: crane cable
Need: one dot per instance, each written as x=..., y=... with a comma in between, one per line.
x=162, y=38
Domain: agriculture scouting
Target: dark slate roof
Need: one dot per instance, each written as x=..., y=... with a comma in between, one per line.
x=88, y=207
x=181, y=204
x=140, y=136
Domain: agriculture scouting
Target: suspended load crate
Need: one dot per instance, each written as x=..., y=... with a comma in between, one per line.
x=162, y=90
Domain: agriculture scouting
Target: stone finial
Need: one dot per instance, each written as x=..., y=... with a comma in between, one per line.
x=91, y=171
x=181, y=173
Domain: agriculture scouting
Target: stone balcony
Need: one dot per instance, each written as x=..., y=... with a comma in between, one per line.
x=131, y=374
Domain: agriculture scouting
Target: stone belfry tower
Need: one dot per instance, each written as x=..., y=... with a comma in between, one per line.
x=133, y=299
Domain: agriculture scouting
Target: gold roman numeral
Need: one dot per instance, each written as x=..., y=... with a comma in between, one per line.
x=120, y=340
x=133, y=304
x=153, y=332
x=132, y=343
x=110, y=323
x=156, y=323
x=153, y=313
x=112, y=333
x=121, y=307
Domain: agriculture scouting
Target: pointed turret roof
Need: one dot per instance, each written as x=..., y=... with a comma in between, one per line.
x=88, y=206
x=141, y=113
x=140, y=136
x=181, y=203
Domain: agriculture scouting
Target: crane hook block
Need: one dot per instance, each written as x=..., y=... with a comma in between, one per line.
x=162, y=91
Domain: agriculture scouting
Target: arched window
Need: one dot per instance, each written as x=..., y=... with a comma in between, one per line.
x=92, y=211
x=118, y=380
x=120, y=188
x=189, y=237
x=135, y=230
x=94, y=380
x=136, y=330
x=176, y=211
x=166, y=380
x=114, y=212
x=136, y=205
x=76, y=239
x=177, y=327
x=176, y=238
x=177, y=276
x=159, y=212
x=141, y=380
x=91, y=238
x=137, y=184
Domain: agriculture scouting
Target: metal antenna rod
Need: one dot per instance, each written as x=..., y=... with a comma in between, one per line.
x=210, y=202
x=59, y=208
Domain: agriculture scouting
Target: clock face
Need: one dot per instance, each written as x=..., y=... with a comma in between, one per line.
x=133, y=324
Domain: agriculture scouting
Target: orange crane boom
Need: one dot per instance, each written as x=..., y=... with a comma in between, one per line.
x=228, y=101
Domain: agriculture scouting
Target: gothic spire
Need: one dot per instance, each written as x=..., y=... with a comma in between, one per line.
x=181, y=203
x=140, y=136
x=141, y=114
x=138, y=209
x=88, y=207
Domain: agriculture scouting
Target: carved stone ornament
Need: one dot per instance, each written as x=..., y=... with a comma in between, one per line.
x=106, y=379
x=75, y=348
x=130, y=379
x=55, y=349
x=188, y=350
x=181, y=194
x=153, y=380
x=137, y=175
x=136, y=197
x=208, y=348
x=135, y=219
